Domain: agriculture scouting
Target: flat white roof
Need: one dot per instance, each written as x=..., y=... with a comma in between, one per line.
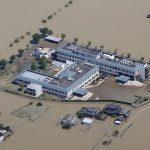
x=34, y=86
x=53, y=38
x=58, y=63
x=44, y=50
x=87, y=120
x=36, y=76
x=1, y=138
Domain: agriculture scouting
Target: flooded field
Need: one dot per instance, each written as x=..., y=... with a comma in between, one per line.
x=113, y=24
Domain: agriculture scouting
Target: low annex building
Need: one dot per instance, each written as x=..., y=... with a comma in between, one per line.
x=65, y=83
x=34, y=89
x=40, y=52
x=53, y=39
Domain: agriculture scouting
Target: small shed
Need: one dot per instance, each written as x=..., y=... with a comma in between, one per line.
x=69, y=119
x=87, y=121
x=123, y=79
x=80, y=92
x=53, y=39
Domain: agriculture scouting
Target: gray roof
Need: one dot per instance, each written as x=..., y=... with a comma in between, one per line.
x=62, y=80
x=81, y=91
x=71, y=74
x=123, y=78
x=53, y=38
x=85, y=49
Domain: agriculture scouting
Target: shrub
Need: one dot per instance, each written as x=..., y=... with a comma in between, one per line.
x=148, y=16
x=63, y=35
x=22, y=37
x=54, y=13
x=115, y=133
x=70, y=2
x=39, y=104
x=66, y=5
x=11, y=45
x=60, y=10
x=16, y=40
x=30, y=103
x=43, y=21
x=20, y=89
x=28, y=33
x=33, y=66
x=50, y=17
x=145, y=98
x=36, y=37
x=7, y=128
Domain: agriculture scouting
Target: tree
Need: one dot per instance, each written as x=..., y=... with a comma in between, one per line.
x=43, y=21
x=122, y=54
x=11, y=45
x=50, y=32
x=142, y=58
x=20, y=89
x=89, y=43
x=63, y=35
x=27, y=46
x=36, y=37
x=20, y=52
x=28, y=33
x=43, y=63
x=70, y=2
x=101, y=46
x=33, y=66
x=148, y=16
x=50, y=17
x=3, y=63
x=16, y=40
x=149, y=61
x=12, y=58
x=76, y=40
x=44, y=31
x=22, y=37
x=39, y=104
x=128, y=55
x=115, y=51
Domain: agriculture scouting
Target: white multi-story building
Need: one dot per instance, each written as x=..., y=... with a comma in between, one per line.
x=69, y=81
x=40, y=52
x=34, y=90
x=108, y=62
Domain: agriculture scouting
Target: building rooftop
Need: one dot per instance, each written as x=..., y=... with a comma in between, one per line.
x=33, y=86
x=86, y=49
x=103, y=54
x=62, y=79
x=53, y=38
x=123, y=78
x=58, y=63
x=71, y=74
x=36, y=76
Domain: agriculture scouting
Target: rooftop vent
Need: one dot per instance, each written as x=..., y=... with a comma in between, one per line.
x=72, y=47
x=80, y=71
x=70, y=79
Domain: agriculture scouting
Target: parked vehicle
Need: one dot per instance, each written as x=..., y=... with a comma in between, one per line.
x=119, y=119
